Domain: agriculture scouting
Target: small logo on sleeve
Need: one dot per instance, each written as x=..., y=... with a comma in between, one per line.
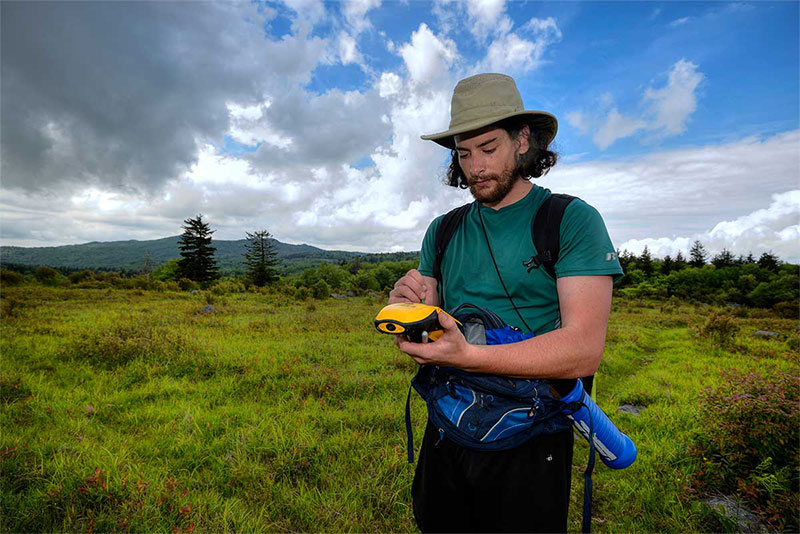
x=611, y=256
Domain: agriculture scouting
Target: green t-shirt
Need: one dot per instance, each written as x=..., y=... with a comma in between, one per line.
x=470, y=277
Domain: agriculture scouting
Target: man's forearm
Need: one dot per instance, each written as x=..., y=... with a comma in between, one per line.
x=562, y=353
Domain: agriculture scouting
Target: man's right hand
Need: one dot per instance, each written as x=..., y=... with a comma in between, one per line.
x=414, y=287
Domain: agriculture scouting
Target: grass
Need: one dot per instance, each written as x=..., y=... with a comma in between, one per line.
x=131, y=410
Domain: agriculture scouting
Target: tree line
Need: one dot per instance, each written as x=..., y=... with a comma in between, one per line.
x=764, y=282
x=724, y=278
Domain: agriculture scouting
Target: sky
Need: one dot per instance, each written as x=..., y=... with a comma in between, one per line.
x=118, y=120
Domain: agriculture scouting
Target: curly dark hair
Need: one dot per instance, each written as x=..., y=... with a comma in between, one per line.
x=534, y=163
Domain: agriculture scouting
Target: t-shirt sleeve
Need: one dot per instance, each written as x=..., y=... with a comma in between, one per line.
x=586, y=248
x=427, y=252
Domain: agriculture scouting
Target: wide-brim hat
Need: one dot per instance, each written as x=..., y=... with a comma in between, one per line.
x=485, y=99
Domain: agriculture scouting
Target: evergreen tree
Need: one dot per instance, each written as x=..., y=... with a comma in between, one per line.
x=723, y=259
x=197, y=261
x=667, y=265
x=645, y=261
x=750, y=258
x=680, y=261
x=260, y=258
x=626, y=260
x=698, y=255
x=769, y=262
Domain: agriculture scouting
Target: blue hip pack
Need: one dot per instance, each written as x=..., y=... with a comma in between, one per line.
x=480, y=411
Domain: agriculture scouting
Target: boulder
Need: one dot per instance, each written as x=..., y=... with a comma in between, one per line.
x=734, y=509
x=766, y=333
x=631, y=409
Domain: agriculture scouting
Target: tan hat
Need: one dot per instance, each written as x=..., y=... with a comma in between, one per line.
x=484, y=99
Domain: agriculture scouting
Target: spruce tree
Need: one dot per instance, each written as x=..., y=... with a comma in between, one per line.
x=667, y=265
x=197, y=261
x=769, y=262
x=680, y=261
x=260, y=258
x=698, y=255
x=723, y=259
x=645, y=261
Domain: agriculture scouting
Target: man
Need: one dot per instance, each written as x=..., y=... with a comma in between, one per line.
x=497, y=147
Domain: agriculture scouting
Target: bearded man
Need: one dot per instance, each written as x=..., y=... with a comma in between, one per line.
x=497, y=148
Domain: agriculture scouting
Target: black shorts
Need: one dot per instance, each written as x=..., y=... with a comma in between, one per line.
x=525, y=489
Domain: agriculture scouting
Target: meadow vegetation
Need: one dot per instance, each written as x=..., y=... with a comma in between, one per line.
x=135, y=405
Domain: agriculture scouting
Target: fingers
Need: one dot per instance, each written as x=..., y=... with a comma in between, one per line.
x=409, y=288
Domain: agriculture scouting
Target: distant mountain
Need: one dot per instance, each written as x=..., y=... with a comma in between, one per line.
x=130, y=255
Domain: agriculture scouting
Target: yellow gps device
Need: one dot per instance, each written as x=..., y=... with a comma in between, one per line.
x=412, y=320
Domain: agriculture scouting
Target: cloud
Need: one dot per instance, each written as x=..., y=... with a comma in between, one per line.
x=579, y=121
x=666, y=110
x=121, y=95
x=774, y=229
x=679, y=22
x=512, y=54
x=309, y=13
x=355, y=13
x=331, y=129
x=427, y=57
x=487, y=17
x=674, y=104
x=348, y=52
x=683, y=193
x=616, y=126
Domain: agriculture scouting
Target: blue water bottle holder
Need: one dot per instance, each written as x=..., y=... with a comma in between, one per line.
x=616, y=450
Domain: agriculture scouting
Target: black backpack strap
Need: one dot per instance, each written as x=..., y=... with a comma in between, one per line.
x=447, y=227
x=545, y=232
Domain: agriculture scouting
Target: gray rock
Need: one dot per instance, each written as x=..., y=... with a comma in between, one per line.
x=733, y=508
x=351, y=294
x=630, y=408
x=194, y=292
x=338, y=296
x=766, y=333
x=209, y=309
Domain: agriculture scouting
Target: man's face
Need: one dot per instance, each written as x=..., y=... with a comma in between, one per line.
x=488, y=159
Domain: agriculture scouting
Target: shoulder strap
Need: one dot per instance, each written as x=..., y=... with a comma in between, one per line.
x=545, y=232
x=447, y=227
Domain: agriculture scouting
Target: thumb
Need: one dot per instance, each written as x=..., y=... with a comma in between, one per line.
x=447, y=321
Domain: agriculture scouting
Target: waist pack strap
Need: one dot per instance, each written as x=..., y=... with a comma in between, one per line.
x=587, y=478
x=409, y=432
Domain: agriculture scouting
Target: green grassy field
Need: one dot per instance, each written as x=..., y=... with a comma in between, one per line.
x=133, y=410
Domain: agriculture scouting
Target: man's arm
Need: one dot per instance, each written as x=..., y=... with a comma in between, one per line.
x=572, y=351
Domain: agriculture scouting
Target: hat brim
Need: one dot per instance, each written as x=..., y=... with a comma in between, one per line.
x=540, y=120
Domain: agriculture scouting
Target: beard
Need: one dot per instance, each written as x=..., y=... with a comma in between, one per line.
x=494, y=187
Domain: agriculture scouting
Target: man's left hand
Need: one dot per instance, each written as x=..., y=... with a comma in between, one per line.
x=451, y=349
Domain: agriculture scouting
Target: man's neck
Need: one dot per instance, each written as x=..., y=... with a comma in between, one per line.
x=518, y=191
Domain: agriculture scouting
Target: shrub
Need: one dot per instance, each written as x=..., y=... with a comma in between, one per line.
x=187, y=285
x=80, y=276
x=748, y=443
x=720, y=328
x=226, y=287
x=788, y=309
x=321, y=290
x=301, y=293
x=10, y=278
x=45, y=274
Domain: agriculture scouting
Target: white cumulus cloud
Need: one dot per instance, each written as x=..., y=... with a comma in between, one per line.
x=427, y=57
x=672, y=105
x=774, y=229
x=665, y=110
